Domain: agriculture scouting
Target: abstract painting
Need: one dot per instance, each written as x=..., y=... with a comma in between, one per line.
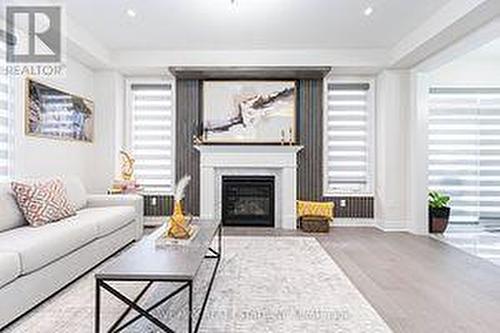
x=55, y=114
x=249, y=111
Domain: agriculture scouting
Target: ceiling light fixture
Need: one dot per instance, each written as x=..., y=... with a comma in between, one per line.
x=368, y=11
x=131, y=12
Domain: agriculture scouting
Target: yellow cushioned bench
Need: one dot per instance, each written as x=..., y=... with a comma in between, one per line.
x=311, y=208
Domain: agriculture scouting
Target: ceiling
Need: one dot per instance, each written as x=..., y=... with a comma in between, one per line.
x=249, y=24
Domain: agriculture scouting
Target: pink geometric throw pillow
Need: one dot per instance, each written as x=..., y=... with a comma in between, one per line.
x=43, y=202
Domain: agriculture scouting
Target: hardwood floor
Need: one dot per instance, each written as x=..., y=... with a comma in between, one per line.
x=416, y=283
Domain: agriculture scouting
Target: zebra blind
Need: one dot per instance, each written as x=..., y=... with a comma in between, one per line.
x=5, y=123
x=464, y=150
x=348, y=138
x=152, y=136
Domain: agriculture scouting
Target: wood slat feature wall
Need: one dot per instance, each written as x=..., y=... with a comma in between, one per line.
x=187, y=161
x=163, y=207
x=356, y=207
x=310, y=135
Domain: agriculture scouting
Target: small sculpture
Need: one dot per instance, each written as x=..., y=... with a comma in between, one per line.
x=177, y=224
x=197, y=140
x=127, y=165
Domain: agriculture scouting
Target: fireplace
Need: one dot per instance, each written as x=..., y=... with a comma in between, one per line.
x=248, y=201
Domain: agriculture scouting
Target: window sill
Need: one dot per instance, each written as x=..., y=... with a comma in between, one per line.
x=348, y=195
x=153, y=194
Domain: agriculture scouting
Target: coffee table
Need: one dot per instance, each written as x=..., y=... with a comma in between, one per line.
x=148, y=262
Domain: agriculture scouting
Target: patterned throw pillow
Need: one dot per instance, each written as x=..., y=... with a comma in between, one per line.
x=43, y=202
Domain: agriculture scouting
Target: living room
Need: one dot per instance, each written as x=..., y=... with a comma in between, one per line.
x=249, y=166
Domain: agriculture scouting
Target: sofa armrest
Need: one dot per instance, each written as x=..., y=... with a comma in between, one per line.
x=136, y=201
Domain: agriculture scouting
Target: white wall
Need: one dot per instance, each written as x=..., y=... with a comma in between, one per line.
x=401, y=184
x=391, y=142
x=467, y=71
x=95, y=162
x=109, y=99
x=40, y=157
x=417, y=153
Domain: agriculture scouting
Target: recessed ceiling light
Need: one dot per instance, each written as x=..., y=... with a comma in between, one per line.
x=368, y=11
x=131, y=12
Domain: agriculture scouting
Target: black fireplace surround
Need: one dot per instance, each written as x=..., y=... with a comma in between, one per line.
x=248, y=201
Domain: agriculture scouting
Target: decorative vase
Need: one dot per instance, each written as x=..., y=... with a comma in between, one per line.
x=438, y=219
x=177, y=226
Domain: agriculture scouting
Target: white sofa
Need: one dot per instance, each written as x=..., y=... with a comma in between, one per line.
x=35, y=263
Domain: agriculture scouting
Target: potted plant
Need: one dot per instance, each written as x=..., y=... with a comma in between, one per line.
x=439, y=212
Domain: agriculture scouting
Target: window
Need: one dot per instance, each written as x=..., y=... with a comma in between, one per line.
x=6, y=123
x=464, y=150
x=150, y=135
x=349, y=139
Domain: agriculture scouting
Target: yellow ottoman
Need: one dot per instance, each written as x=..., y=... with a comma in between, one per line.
x=314, y=216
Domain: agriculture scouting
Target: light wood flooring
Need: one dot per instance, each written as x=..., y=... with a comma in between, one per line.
x=416, y=283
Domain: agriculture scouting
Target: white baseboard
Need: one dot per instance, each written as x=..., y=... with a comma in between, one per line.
x=154, y=221
x=392, y=226
x=386, y=226
x=352, y=222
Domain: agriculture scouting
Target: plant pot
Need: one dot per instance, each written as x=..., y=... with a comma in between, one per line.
x=438, y=219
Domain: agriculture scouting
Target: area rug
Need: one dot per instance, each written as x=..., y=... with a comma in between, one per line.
x=264, y=284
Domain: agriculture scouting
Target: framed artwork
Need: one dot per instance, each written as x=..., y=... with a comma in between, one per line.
x=254, y=112
x=55, y=114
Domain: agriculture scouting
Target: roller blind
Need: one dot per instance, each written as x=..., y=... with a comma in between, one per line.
x=5, y=123
x=152, y=136
x=464, y=150
x=348, y=138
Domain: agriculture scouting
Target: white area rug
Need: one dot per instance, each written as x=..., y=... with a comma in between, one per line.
x=264, y=284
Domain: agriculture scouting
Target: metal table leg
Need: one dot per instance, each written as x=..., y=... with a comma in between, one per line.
x=97, y=306
x=190, y=318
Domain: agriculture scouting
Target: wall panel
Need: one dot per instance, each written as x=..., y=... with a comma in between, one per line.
x=188, y=98
x=309, y=133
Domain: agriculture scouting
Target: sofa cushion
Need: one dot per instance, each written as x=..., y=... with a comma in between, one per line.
x=76, y=191
x=38, y=247
x=10, y=267
x=43, y=202
x=108, y=219
x=10, y=215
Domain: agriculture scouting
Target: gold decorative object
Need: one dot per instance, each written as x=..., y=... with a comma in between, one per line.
x=178, y=226
x=127, y=165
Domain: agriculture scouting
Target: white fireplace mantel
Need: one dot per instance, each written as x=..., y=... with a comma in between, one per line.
x=278, y=161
